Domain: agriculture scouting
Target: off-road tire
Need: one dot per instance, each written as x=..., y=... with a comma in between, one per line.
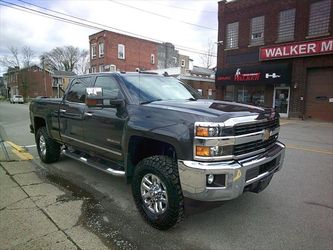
x=52, y=153
x=166, y=170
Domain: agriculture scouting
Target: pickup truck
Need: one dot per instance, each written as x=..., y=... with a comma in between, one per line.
x=160, y=135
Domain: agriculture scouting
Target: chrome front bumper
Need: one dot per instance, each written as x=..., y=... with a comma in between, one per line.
x=193, y=175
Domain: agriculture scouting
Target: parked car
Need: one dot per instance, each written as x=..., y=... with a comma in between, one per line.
x=157, y=132
x=16, y=99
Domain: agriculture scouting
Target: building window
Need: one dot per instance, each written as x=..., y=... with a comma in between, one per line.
x=182, y=63
x=286, y=25
x=121, y=51
x=319, y=17
x=101, y=49
x=152, y=59
x=101, y=68
x=93, y=51
x=257, y=30
x=93, y=69
x=232, y=35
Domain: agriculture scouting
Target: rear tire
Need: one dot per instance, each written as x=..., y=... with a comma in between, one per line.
x=157, y=192
x=48, y=149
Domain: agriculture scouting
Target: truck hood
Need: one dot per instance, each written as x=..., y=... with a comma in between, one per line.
x=214, y=109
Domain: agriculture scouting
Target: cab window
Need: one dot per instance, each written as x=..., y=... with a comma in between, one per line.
x=77, y=91
x=110, y=87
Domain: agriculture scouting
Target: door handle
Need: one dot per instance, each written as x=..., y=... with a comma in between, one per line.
x=88, y=114
x=62, y=110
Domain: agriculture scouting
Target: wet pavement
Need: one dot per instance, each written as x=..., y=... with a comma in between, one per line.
x=39, y=210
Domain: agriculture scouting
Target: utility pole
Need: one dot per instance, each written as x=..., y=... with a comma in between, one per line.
x=44, y=76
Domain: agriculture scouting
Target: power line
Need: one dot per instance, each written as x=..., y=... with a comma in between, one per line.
x=182, y=8
x=86, y=24
x=159, y=15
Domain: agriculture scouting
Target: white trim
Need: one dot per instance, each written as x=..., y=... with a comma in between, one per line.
x=285, y=115
x=101, y=49
x=93, y=49
x=121, y=47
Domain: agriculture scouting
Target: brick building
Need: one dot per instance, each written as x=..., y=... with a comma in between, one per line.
x=29, y=82
x=111, y=51
x=277, y=54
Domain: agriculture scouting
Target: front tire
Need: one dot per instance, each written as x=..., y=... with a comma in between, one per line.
x=157, y=192
x=48, y=149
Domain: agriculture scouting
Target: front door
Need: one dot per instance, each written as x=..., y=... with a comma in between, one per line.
x=103, y=127
x=281, y=100
x=71, y=113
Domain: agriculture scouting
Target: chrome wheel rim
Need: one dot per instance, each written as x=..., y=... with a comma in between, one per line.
x=42, y=145
x=154, y=194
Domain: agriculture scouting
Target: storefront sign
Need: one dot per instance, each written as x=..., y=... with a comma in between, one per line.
x=262, y=74
x=299, y=49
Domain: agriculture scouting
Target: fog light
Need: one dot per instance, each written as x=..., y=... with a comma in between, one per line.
x=210, y=179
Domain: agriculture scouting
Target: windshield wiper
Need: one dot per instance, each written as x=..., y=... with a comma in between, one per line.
x=192, y=99
x=146, y=102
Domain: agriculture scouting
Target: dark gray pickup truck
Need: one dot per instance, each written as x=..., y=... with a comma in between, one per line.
x=158, y=133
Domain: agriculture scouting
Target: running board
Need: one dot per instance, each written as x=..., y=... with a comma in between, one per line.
x=94, y=164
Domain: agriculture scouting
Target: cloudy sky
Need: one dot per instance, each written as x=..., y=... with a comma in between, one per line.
x=185, y=23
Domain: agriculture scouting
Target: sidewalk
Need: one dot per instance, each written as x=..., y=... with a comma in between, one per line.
x=32, y=213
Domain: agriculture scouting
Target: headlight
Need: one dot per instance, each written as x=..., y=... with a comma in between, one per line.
x=208, y=131
x=206, y=151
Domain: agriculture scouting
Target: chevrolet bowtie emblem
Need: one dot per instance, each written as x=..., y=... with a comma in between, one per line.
x=267, y=134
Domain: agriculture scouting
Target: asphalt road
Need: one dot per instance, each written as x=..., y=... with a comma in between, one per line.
x=294, y=212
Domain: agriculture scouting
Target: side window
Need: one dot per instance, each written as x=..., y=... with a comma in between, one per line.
x=77, y=92
x=110, y=87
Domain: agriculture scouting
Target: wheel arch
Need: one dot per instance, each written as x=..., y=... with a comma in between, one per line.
x=140, y=147
x=38, y=123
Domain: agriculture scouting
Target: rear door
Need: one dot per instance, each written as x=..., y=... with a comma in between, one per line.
x=103, y=127
x=71, y=113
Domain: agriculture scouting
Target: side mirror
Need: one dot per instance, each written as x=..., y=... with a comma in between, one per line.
x=94, y=92
x=94, y=98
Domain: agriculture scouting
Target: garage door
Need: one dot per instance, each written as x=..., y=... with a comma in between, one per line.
x=319, y=98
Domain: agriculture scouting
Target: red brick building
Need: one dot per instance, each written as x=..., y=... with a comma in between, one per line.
x=29, y=82
x=277, y=54
x=110, y=51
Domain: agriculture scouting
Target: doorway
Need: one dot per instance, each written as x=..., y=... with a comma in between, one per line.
x=281, y=100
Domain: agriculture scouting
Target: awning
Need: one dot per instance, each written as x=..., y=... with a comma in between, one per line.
x=260, y=74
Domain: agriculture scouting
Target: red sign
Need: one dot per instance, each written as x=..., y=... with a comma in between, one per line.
x=299, y=49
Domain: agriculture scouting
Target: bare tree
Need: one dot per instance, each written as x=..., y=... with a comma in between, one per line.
x=27, y=55
x=82, y=66
x=62, y=58
x=207, y=57
x=12, y=60
x=17, y=59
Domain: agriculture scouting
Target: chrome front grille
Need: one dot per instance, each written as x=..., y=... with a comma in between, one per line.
x=255, y=127
x=253, y=146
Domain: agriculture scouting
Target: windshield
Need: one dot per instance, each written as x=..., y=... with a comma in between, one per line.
x=149, y=88
x=18, y=96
